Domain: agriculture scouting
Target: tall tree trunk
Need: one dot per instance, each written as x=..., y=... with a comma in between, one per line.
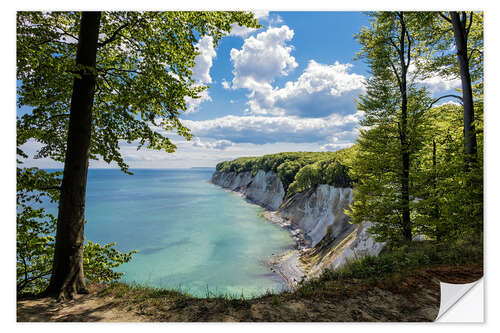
x=460, y=32
x=67, y=271
x=405, y=153
x=435, y=207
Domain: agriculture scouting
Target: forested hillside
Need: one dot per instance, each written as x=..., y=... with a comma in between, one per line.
x=298, y=171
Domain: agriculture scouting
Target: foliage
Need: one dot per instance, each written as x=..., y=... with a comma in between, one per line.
x=35, y=249
x=399, y=259
x=99, y=261
x=143, y=74
x=392, y=131
x=35, y=238
x=440, y=56
x=446, y=195
x=451, y=197
x=143, y=82
x=298, y=171
x=329, y=172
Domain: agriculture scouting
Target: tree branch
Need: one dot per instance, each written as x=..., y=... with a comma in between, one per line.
x=106, y=70
x=23, y=284
x=463, y=19
x=470, y=24
x=409, y=48
x=395, y=72
x=445, y=17
x=114, y=36
x=445, y=96
x=48, y=188
x=394, y=44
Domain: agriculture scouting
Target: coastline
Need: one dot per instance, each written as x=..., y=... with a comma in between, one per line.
x=286, y=264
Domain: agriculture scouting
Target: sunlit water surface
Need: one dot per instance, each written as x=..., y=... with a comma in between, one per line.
x=190, y=235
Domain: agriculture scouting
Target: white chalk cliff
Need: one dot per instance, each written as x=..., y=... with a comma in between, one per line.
x=330, y=240
x=265, y=188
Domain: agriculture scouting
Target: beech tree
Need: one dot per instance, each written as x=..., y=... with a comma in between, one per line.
x=94, y=80
x=423, y=179
x=450, y=205
x=454, y=42
x=391, y=137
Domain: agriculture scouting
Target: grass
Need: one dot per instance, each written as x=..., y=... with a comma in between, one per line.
x=386, y=270
x=398, y=281
x=391, y=265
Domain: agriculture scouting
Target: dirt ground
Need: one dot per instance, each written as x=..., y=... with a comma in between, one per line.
x=415, y=297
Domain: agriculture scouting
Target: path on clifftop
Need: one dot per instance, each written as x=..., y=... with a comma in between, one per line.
x=415, y=298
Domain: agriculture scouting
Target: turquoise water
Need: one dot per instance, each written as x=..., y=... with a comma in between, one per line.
x=190, y=234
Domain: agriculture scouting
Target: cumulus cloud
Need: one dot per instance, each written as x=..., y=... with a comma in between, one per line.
x=204, y=60
x=261, y=129
x=320, y=90
x=261, y=14
x=263, y=58
x=275, y=20
x=201, y=71
x=218, y=144
x=238, y=30
x=335, y=146
x=436, y=83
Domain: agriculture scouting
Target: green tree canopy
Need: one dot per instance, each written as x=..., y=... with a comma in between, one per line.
x=143, y=76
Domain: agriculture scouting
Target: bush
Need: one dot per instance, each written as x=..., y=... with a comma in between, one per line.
x=398, y=258
x=35, y=239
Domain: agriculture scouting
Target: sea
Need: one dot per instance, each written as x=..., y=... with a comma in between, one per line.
x=191, y=236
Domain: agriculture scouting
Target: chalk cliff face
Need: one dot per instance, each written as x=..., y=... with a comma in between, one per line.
x=360, y=245
x=317, y=214
x=265, y=188
x=318, y=211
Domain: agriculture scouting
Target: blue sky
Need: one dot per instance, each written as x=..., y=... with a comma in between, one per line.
x=289, y=86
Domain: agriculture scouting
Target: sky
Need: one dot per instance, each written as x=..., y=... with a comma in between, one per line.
x=289, y=86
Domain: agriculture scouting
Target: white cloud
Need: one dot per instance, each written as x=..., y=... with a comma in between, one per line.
x=222, y=144
x=188, y=155
x=275, y=20
x=238, y=30
x=225, y=84
x=435, y=83
x=438, y=83
x=193, y=104
x=335, y=146
x=448, y=103
x=201, y=71
x=243, y=32
x=204, y=60
x=218, y=144
x=263, y=58
x=261, y=129
x=261, y=14
x=321, y=90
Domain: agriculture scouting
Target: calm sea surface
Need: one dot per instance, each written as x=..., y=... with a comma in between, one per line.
x=190, y=234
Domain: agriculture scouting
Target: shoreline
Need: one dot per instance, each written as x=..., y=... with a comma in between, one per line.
x=286, y=264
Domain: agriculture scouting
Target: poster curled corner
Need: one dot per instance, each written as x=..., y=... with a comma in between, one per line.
x=459, y=304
